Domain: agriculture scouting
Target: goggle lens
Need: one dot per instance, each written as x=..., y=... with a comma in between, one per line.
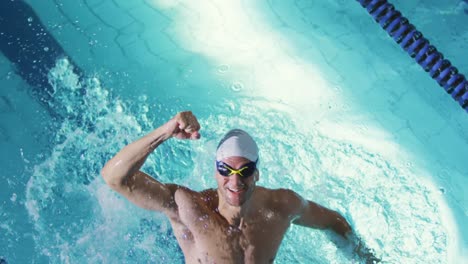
x=245, y=171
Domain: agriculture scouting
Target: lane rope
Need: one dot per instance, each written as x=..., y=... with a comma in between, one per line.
x=419, y=48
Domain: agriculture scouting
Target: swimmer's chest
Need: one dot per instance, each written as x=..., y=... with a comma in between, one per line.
x=258, y=238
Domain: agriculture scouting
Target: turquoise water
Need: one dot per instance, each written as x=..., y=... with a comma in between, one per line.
x=341, y=115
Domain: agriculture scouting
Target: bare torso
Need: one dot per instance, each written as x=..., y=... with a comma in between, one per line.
x=205, y=236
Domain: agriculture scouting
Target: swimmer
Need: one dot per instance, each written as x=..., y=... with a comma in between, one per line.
x=237, y=222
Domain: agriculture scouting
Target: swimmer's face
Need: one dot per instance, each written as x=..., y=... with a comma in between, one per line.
x=235, y=189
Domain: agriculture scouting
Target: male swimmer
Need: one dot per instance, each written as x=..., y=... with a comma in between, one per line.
x=224, y=225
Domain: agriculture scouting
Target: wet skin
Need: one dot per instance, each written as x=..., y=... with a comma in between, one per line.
x=237, y=223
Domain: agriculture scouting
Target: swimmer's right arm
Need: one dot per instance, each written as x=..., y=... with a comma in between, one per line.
x=122, y=172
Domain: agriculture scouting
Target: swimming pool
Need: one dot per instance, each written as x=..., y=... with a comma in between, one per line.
x=341, y=115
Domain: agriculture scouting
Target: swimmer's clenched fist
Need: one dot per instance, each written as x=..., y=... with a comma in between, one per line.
x=183, y=125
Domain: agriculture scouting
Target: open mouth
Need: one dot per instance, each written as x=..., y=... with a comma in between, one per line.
x=236, y=190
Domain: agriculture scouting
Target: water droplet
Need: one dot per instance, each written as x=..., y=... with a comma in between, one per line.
x=269, y=215
x=231, y=106
x=22, y=156
x=142, y=97
x=46, y=49
x=13, y=197
x=30, y=19
x=237, y=86
x=119, y=108
x=205, y=226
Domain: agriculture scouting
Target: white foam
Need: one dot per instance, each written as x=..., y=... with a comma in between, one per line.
x=57, y=187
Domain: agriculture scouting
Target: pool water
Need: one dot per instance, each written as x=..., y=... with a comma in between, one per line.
x=341, y=115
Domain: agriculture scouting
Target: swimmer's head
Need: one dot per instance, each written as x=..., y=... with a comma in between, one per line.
x=237, y=143
x=236, y=158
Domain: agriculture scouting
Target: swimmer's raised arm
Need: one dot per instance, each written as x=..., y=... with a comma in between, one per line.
x=122, y=173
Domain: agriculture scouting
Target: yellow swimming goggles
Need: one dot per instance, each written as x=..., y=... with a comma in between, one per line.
x=245, y=171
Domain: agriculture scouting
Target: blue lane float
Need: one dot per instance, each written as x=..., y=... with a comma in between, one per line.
x=419, y=48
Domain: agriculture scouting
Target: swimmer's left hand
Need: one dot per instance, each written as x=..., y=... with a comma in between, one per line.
x=362, y=250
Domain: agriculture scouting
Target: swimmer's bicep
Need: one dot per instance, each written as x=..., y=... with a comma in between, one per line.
x=146, y=192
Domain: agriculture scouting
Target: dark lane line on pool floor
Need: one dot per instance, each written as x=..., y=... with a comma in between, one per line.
x=30, y=47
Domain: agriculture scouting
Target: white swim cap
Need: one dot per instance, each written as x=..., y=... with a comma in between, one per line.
x=237, y=143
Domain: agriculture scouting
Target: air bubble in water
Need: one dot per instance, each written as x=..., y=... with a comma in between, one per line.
x=237, y=86
x=13, y=197
x=223, y=68
x=46, y=49
x=30, y=19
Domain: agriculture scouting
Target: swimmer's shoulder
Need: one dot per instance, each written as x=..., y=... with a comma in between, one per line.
x=278, y=195
x=209, y=193
x=189, y=196
x=284, y=200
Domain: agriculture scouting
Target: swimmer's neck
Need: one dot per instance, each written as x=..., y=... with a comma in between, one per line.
x=234, y=215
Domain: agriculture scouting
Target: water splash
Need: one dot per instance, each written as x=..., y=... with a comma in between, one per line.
x=76, y=217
